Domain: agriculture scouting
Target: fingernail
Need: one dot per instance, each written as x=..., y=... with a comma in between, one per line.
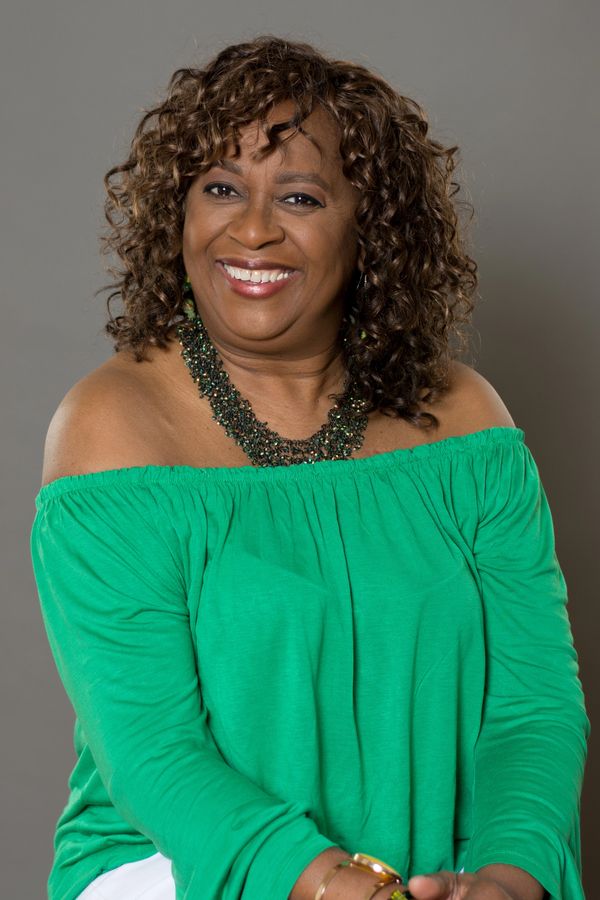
x=418, y=878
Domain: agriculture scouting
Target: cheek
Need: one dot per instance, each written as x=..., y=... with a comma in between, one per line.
x=197, y=223
x=196, y=235
x=333, y=248
x=341, y=246
x=320, y=239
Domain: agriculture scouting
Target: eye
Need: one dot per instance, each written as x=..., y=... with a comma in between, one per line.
x=219, y=184
x=311, y=200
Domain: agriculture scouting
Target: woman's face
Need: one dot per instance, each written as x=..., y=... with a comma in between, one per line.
x=252, y=215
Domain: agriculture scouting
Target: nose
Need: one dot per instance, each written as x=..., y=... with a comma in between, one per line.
x=255, y=225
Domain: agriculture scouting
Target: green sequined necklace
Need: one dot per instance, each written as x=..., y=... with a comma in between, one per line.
x=336, y=439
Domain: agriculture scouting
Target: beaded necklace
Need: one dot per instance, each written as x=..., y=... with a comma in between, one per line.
x=336, y=439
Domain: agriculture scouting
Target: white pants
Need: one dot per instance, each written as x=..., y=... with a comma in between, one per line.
x=146, y=879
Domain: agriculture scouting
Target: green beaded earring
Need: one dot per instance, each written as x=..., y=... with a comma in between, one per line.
x=189, y=304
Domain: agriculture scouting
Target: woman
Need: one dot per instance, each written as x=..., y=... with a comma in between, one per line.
x=290, y=654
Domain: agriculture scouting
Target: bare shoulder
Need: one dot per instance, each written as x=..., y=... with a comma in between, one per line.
x=471, y=403
x=100, y=423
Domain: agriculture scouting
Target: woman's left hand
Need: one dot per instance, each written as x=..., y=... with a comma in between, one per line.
x=447, y=885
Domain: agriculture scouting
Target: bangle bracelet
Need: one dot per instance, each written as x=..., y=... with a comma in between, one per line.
x=365, y=863
x=329, y=876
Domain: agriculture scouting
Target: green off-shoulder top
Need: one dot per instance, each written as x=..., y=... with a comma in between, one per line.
x=264, y=662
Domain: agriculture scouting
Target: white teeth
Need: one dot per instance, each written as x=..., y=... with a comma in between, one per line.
x=257, y=275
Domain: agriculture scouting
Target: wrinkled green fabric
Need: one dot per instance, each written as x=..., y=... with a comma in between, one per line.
x=265, y=662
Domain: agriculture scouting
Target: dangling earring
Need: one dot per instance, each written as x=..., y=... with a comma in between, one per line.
x=365, y=283
x=189, y=304
x=362, y=282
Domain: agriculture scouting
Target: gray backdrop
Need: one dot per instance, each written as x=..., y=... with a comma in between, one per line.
x=514, y=83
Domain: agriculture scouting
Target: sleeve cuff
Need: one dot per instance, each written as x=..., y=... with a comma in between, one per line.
x=282, y=857
x=555, y=868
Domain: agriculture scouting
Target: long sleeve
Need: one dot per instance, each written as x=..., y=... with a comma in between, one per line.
x=112, y=590
x=531, y=749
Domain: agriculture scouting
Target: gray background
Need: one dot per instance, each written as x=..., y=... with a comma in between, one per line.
x=513, y=83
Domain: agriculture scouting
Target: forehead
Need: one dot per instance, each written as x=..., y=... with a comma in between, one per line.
x=295, y=146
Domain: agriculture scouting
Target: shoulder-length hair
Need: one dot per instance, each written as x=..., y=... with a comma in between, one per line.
x=416, y=297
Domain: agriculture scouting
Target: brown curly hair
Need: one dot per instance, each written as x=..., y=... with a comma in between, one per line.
x=419, y=280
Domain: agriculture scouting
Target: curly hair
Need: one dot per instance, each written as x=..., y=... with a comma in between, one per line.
x=417, y=296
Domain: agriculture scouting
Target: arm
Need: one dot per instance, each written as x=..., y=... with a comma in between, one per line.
x=114, y=608
x=531, y=749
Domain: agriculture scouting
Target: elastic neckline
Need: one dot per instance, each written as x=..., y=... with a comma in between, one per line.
x=474, y=440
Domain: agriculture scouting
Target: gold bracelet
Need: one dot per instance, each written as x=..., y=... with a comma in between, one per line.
x=367, y=864
x=329, y=876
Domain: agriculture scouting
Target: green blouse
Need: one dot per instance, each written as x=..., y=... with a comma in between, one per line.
x=372, y=653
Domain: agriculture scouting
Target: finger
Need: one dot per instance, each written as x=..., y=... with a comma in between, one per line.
x=433, y=886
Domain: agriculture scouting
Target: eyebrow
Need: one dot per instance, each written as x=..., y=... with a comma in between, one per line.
x=283, y=178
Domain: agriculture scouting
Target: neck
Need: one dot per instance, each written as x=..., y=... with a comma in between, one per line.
x=275, y=383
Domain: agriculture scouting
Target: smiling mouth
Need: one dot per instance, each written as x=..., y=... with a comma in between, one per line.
x=257, y=276
x=257, y=282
